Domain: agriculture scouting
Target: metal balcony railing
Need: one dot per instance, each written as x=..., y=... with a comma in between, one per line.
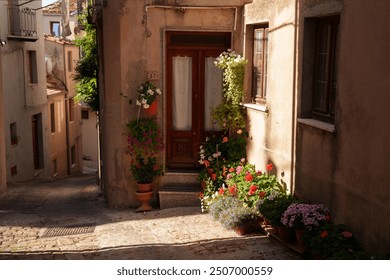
x=22, y=23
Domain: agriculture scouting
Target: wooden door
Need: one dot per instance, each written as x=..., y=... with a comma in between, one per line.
x=192, y=79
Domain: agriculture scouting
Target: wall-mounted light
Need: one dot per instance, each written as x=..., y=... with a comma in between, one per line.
x=2, y=43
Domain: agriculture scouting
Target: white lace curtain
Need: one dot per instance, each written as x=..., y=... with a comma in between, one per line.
x=182, y=93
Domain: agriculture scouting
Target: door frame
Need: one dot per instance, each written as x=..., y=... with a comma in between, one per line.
x=219, y=41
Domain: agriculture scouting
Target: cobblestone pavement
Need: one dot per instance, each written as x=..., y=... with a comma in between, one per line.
x=30, y=211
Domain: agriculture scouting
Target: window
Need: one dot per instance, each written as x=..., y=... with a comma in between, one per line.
x=33, y=69
x=70, y=61
x=55, y=28
x=14, y=135
x=320, y=68
x=71, y=110
x=260, y=61
x=52, y=118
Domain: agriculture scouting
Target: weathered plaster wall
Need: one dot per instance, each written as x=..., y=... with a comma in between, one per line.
x=22, y=100
x=3, y=173
x=348, y=170
x=271, y=131
x=133, y=47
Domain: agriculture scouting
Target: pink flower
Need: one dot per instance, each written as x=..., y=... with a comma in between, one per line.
x=259, y=173
x=229, y=176
x=252, y=190
x=239, y=131
x=346, y=234
x=238, y=169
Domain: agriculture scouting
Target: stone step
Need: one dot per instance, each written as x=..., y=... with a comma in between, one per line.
x=179, y=195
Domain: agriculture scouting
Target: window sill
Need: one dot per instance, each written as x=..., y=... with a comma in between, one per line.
x=318, y=124
x=257, y=107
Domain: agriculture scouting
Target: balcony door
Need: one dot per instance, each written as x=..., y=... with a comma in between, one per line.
x=194, y=89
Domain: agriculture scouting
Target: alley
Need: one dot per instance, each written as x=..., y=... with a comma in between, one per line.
x=68, y=219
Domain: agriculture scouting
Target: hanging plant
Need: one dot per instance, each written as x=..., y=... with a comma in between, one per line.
x=229, y=114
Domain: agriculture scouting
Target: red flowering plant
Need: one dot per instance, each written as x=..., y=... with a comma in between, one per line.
x=252, y=185
x=144, y=144
x=330, y=241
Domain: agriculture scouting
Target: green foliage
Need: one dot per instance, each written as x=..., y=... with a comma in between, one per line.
x=144, y=170
x=229, y=114
x=87, y=68
x=273, y=206
x=144, y=143
x=333, y=242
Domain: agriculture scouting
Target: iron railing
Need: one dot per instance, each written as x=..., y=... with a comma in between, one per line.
x=22, y=22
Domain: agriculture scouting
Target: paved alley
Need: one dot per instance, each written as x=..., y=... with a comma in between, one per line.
x=68, y=219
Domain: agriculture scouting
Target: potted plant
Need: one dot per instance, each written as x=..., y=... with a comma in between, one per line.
x=147, y=94
x=272, y=208
x=331, y=241
x=144, y=144
x=304, y=217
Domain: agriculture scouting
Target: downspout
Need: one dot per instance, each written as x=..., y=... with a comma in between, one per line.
x=66, y=119
x=294, y=102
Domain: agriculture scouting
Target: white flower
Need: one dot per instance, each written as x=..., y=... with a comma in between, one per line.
x=138, y=103
x=146, y=106
x=207, y=139
x=210, y=158
x=141, y=88
x=202, y=151
x=201, y=161
x=158, y=91
x=144, y=101
x=202, y=157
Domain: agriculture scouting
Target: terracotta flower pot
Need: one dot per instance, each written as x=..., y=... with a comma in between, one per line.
x=152, y=110
x=144, y=198
x=144, y=187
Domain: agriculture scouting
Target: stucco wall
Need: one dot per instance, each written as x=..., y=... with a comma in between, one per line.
x=348, y=170
x=271, y=125
x=22, y=100
x=47, y=18
x=3, y=174
x=131, y=49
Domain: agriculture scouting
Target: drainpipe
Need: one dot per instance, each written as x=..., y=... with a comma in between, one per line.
x=66, y=99
x=294, y=103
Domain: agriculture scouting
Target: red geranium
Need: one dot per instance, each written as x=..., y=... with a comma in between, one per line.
x=262, y=194
x=233, y=190
x=213, y=176
x=324, y=234
x=221, y=191
x=248, y=177
x=252, y=190
x=231, y=169
x=269, y=167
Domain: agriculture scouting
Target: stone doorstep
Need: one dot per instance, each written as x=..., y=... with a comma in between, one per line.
x=179, y=195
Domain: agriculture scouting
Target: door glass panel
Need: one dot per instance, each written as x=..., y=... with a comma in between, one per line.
x=182, y=93
x=213, y=92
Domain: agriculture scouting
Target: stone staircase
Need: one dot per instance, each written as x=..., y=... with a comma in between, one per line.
x=179, y=190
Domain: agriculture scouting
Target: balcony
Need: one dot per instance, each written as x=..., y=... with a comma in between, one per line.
x=22, y=24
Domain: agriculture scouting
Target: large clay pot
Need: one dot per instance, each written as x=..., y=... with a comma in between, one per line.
x=144, y=187
x=144, y=198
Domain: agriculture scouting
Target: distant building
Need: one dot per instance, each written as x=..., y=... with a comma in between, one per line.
x=52, y=19
x=64, y=112
x=23, y=93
